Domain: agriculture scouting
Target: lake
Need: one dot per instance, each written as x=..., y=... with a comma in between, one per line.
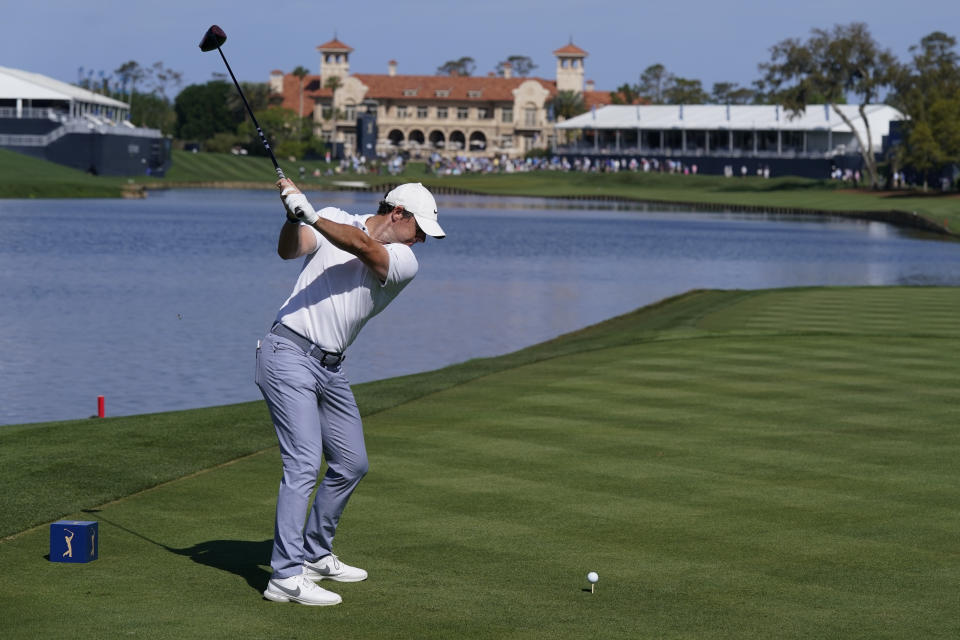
x=157, y=304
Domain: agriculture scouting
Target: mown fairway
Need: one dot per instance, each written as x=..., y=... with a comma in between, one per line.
x=775, y=464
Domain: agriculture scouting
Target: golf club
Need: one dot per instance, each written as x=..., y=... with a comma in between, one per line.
x=214, y=39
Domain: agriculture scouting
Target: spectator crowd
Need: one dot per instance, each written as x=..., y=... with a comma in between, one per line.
x=439, y=165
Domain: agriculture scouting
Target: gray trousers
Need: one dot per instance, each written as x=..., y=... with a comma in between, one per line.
x=316, y=417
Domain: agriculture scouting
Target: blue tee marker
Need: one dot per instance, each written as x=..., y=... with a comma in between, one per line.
x=74, y=541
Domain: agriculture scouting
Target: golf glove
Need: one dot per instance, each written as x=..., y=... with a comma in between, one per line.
x=299, y=207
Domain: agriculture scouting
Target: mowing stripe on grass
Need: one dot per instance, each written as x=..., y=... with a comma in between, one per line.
x=791, y=484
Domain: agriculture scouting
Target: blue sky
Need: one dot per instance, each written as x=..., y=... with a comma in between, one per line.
x=710, y=40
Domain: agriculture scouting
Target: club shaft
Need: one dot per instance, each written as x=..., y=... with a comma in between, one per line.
x=263, y=138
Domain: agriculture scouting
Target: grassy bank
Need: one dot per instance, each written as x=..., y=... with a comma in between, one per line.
x=30, y=179
x=785, y=193
x=771, y=464
x=22, y=176
x=788, y=193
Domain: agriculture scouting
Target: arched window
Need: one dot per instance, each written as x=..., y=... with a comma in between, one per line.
x=437, y=139
x=478, y=141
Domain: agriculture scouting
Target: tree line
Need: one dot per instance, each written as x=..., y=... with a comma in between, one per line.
x=211, y=113
x=834, y=66
x=145, y=88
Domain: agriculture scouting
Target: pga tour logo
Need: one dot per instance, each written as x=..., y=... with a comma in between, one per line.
x=73, y=541
x=68, y=539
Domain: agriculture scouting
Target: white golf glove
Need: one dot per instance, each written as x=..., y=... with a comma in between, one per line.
x=298, y=206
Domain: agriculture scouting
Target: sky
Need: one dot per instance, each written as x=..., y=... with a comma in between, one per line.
x=709, y=40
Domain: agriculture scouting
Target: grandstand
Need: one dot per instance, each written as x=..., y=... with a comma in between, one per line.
x=731, y=138
x=69, y=125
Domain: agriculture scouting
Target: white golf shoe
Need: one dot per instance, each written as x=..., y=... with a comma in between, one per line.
x=299, y=589
x=330, y=568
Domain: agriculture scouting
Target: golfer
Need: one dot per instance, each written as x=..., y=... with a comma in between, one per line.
x=354, y=266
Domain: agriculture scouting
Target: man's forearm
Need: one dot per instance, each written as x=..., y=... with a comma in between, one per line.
x=344, y=236
x=356, y=241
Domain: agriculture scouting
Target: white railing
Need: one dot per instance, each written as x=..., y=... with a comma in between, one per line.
x=74, y=126
x=17, y=140
x=22, y=141
x=31, y=113
x=137, y=132
x=589, y=149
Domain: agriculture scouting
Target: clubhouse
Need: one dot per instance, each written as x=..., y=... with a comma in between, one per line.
x=497, y=114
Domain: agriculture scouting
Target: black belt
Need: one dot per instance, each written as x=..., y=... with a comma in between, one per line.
x=326, y=358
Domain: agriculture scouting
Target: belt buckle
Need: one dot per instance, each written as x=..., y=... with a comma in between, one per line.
x=335, y=359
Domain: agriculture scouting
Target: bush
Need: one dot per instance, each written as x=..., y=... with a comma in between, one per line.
x=222, y=143
x=202, y=112
x=316, y=147
x=291, y=148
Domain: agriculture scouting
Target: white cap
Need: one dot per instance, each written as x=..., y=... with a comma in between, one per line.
x=415, y=198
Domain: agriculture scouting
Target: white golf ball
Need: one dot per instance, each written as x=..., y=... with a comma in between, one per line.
x=592, y=576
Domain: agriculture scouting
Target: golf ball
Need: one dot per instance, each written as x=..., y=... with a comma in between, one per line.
x=592, y=576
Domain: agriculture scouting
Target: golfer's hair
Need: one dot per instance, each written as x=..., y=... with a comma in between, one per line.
x=386, y=208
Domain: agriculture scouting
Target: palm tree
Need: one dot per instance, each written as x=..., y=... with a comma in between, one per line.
x=567, y=104
x=300, y=73
x=257, y=95
x=333, y=83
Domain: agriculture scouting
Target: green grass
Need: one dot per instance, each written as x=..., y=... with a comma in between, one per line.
x=222, y=167
x=774, y=194
x=770, y=464
x=190, y=167
x=26, y=177
x=23, y=176
x=777, y=193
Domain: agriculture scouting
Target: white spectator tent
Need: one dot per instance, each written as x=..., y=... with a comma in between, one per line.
x=732, y=129
x=59, y=122
x=22, y=93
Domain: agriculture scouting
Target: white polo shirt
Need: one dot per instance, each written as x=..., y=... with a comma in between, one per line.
x=336, y=294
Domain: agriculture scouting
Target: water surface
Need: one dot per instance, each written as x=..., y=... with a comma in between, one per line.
x=158, y=304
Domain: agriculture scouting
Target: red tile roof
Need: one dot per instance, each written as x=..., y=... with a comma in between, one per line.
x=596, y=98
x=570, y=49
x=623, y=99
x=459, y=88
x=386, y=87
x=311, y=90
x=335, y=45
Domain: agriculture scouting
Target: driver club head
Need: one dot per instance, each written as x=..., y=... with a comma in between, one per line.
x=213, y=39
